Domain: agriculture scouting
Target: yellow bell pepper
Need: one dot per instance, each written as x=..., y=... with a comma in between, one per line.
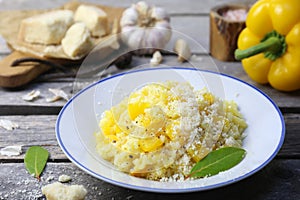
x=269, y=46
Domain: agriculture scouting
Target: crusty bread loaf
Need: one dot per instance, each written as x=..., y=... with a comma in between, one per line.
x=94, y=18
x=48, y=28
x=77, y=41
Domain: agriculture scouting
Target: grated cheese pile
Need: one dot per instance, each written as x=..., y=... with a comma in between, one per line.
x=161, y=130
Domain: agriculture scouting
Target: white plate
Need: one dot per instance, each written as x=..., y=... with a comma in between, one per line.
x=78, y=121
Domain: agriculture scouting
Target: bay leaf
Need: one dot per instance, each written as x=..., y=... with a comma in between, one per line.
x=35, y=160
x=217, y=161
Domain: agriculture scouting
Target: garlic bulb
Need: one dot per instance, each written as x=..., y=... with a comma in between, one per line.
x=143, y=26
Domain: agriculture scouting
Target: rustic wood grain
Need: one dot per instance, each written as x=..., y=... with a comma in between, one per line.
x=278, y=180
x=33, y=130
x=11, y=100
x=291, y=146
x=40, y=130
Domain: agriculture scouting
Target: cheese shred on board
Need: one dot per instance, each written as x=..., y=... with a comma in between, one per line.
x=160, y=131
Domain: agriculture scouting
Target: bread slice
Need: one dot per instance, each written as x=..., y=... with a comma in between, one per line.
x=48, y=28
x=77, y=41
x=94, y=18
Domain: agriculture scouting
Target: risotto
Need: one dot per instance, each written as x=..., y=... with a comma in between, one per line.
x=162, y=130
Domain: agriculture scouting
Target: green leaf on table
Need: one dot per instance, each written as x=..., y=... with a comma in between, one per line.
x=35, y=160
x=218, y=161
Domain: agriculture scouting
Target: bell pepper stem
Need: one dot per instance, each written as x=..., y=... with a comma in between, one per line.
x=272, y=44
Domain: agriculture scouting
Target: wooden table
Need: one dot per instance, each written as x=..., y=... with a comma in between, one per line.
x=278, y=180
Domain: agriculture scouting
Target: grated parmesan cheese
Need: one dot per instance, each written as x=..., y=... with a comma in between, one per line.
x=11, y=151
x=8, y=124
x=59, y=191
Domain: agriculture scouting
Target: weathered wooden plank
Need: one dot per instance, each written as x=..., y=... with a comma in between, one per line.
x=278, y=180
x=291, y=146
x=12, y=103
x=193, y=29
x=33, y=130
x=40, y=130
x=173, y=6
x=14, y=96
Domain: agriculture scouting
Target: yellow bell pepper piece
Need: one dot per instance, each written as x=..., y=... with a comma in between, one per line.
x=108, y=124
x=269, y=46
x=136, y=105
x=150, y=144
x=171, y=131
x=198, y=152
x=208, y=97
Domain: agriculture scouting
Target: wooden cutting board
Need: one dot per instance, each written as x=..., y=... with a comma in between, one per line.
x=22, y=74
x=19, y=75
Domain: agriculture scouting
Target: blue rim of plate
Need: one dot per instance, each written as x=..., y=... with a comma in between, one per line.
x=177, y=190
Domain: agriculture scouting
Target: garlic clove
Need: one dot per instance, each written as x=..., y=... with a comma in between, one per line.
x=163, y=25
x=156, y=38
x=160, y=14
x=183, y=50
x=129, y=17
x=127, y=31
x=136, y=39
x=163, y=32
x=142, y=7
x=156, y=58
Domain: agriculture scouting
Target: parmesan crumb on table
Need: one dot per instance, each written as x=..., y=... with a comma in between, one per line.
x=64, y=178
x=58, y=94
x=59, y=191
x=11, y=150
x=49, y=178
x=31, y=96
x=8, y=125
